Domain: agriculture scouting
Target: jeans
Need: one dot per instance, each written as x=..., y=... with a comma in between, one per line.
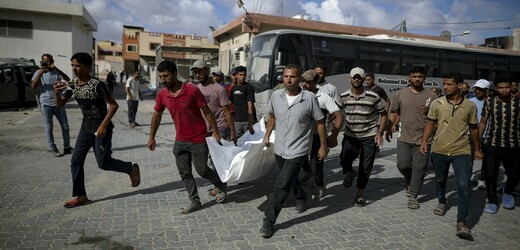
x=412, y=165
x=47, y=113
x=318, y=176
x=462, y=168
x=132, y=110
x=287, y=179
x=365, y=148
x=241, y=128
x=187, y=153
x=483, y=167
x=102, y=147
x=508, y=157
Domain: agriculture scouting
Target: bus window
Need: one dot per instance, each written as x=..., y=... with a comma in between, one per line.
x=458, y=61
x=379, y=58
x=427, y=58
x=491, y=66
x=336, y=54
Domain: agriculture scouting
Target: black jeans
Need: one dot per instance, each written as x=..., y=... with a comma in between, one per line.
x=132, y=110
x=287, y=179
x=318, y=176
x=187, y=153
x=102, y=147
x=365, y=148
x=509, y=158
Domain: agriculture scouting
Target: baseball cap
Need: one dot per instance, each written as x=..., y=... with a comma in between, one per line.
x=233, y=71
x=482, y=83
x=216, y=71
x=309, y=75
x=357, y=71
x=199, y=64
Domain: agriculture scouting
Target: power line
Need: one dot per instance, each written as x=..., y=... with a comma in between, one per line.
x=464, y=28
x=491, y=21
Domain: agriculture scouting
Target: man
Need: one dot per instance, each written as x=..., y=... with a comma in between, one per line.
x=325, y=86
x=480, y=88
x=45, y=77
x=111, y=78
x=218, y=77
x=514, y=89
x=184, y=101
x=501, y=114
x=243, y=98
x=327, y=106
x=362, y=134
x=96, y=130
x=293, y=111
x=410, y=106
x=133, y=95
x=453, y=115
x=218, y=103
x=464, y=90
x=371, y=85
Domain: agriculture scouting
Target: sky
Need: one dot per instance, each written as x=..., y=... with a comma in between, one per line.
x=483, y=18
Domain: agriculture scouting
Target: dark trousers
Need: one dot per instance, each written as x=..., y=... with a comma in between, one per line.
x=365, y=148
x=187, y=153
x=509, y=158
x=132, y=110
x=318, y=175
x=102, y=147
x=287, y=179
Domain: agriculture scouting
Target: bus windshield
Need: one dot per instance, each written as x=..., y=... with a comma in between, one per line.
x=259, y=63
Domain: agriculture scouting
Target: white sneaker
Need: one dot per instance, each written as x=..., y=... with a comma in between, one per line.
x=481, y=185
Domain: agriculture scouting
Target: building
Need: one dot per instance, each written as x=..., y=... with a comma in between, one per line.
x=108, y=57
x=31, y=28
x=235, y=37
x=142, y=49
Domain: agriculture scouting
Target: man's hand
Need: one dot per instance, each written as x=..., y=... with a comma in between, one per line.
x=151, y=144
x=332, y=141
x=322, y=153
x=217, y=137
x=478, y=155
x=250, y=129
x=378, y=139
x=388, y=135
x=423, y=149
x=233, y=137
x=101, y=131
x=266, y=141
x=58, y=87
x=424, y=109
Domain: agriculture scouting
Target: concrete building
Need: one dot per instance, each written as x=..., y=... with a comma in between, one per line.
x=31, y=28
x=235, y=37
x=108, y=57
x=142, y=49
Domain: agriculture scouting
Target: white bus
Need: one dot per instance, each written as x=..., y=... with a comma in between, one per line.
x=388, y=57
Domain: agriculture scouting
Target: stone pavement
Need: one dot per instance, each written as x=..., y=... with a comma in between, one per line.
x=34, y=185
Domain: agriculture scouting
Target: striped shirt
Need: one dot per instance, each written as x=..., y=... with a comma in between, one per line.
x=503, y=122
x=362, y=113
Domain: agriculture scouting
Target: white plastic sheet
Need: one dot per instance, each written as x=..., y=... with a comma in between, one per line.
x=247, y=161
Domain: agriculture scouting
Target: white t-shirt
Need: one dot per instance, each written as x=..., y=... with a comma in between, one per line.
x=329, y=89
x=133, y=86
x=291, y=99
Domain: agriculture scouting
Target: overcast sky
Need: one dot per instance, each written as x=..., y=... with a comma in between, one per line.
x=194, y=16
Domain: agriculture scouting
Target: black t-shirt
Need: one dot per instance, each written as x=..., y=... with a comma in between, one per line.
x=91, y=99
x=380, y=92
x=240, y=95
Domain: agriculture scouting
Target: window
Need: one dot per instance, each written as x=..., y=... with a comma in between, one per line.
x=6, y=75
x=379, y=58
x=425, y=57
x=458, y=61
x=131, y=48
x=13, y=28
x=153, y=46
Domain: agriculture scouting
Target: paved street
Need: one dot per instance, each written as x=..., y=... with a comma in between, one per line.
x=34, y=185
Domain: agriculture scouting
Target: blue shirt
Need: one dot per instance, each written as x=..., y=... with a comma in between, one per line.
x=47, y=86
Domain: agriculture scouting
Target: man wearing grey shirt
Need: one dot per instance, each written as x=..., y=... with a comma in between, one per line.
x=293, y=111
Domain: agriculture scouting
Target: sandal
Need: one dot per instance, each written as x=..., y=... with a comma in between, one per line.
x=360, y=202
x=220, y=196
x=413, y=203
x=135, y=175
x=76, y=202
x=192, y=207
x=464, y=233
x=407, y=191
x=440, y=210
x=349, y=178
x=213, y=191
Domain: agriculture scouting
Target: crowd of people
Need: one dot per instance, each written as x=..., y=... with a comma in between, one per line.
x=308, y=114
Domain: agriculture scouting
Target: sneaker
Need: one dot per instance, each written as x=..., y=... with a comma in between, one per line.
x=491, y=208
x=131, y=125
x=320, y=193
x=267, y=230
x=481, y=185
x=349, y=178
x=68, y=151
x=360, y=202
x=55, y=152
x=508, y=201
x=300, y=206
